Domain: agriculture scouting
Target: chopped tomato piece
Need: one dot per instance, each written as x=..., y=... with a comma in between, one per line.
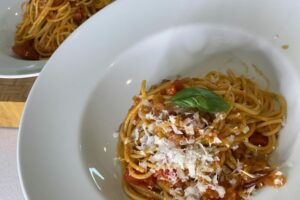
x=164, y=173
x=174, y=88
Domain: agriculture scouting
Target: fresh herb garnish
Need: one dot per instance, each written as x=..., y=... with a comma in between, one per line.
x=201, y=99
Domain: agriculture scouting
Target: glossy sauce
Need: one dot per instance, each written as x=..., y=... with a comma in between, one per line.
x=26, y=51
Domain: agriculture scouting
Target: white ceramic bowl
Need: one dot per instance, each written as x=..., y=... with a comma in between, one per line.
x=67, y=146
x=10, y=65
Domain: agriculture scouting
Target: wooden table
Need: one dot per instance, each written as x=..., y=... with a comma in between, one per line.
x=13, y=94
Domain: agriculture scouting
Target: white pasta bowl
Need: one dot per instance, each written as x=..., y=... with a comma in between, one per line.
x=67, y=143
x=10, y=65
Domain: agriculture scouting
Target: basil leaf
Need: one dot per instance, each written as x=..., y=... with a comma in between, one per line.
x=201, y=99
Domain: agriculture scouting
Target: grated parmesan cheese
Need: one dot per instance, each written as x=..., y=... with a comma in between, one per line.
x=220, y=116
x=135, y=135
x=278, y=173
x=193, y=162
x=235, y=147
x=145, y=102
x=192, y=193
x=176, y=193
x=189, y=130
x=232, y=181
x=219, y=189
x=230, y=138
x=150, y=116
x=246, y=129
x=216, y=140
x=278, y=182
x=143, y=164
x=172, y=119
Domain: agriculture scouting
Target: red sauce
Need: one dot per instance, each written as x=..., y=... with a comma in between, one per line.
x=57, y=2
x=258, y=139
x=26, y=51
x=231, y=194
x=147, y=183
x=164, y=174
x=158, y=103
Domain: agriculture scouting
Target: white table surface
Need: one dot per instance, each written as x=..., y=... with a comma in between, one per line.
x=10, y=188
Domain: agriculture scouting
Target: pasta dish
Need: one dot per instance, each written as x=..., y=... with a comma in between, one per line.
x=47, y=23
x=201, y=138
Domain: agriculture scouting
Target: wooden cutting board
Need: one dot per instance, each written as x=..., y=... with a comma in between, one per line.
x=13, y=94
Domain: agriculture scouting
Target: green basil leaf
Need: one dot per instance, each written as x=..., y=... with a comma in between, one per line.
x=201, y=99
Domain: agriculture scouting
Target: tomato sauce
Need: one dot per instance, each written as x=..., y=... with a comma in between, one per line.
x=26, y=51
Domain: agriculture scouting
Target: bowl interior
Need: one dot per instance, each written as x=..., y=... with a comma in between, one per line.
x=190, y=50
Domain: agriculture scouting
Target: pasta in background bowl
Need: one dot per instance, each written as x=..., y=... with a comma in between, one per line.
x=10, y=66
x=36, y=31
x=46, y=24
x=69, y=131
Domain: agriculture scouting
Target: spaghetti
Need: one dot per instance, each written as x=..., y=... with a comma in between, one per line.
x=47, y=23
x=168, y=152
